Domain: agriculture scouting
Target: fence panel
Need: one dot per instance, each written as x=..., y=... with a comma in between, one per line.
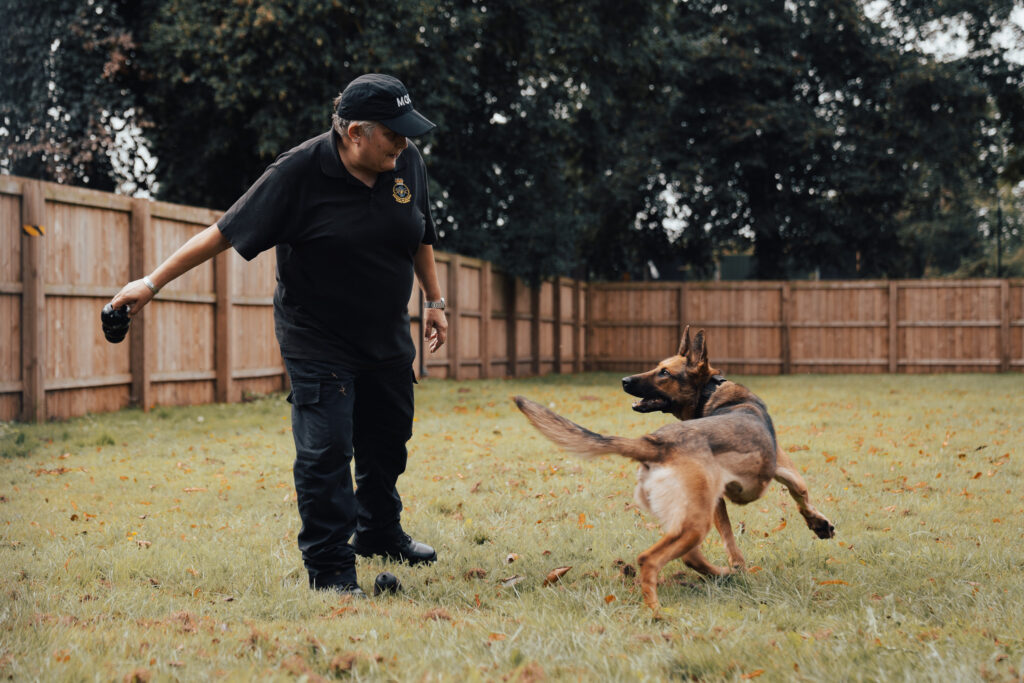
x=839, y=327
x=947, y=325
x=10, y=300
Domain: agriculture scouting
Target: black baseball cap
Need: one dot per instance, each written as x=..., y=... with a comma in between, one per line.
x=383, y=98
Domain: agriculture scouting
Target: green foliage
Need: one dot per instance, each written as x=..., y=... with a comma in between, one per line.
x=171, y=555
x=58, y=95
x=568, y=132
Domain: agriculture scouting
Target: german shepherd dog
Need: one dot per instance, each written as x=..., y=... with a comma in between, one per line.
x=724, y=446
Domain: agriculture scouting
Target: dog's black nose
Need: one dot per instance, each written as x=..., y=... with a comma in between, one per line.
x=627, y=382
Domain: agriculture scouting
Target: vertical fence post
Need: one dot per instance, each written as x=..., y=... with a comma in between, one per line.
x=787, y=328
x=588, y=329
x=454, y=364
x=485, y=320
x=556, y=305
x=140, y=339
x=511, y=323
x=680, y=312
x=535, y=330
x=224, y=356
x=894, y=310
x=1004, y=327
x=577, y=352
x=33, y=302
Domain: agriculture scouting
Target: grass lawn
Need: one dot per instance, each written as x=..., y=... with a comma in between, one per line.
x=161, y=545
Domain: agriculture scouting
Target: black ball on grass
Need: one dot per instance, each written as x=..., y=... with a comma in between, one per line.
x=386, y=582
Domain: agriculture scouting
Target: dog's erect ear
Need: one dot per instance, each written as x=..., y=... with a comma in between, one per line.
x=684, y=343
x=699, y=353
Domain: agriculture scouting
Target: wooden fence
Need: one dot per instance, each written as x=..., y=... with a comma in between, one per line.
x=209, y=336
x=908, y=326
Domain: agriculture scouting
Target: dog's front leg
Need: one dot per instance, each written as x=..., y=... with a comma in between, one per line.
x=786, y=474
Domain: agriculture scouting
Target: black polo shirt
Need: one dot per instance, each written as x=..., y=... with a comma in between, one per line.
x=344, y=252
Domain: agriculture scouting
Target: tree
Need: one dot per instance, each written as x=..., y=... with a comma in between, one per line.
x=60, y=105
x=569, y=133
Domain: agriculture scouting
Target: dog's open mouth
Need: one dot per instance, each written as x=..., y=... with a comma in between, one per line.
x=649, y=405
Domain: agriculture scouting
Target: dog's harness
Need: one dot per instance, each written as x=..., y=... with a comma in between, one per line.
x=705, y=394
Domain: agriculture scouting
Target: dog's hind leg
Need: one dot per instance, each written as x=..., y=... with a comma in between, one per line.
x=736, y=560
x=668, y=548
x=786, y=474
x=696, y=561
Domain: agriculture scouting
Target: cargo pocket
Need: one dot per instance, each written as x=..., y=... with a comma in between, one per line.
x=304, y=393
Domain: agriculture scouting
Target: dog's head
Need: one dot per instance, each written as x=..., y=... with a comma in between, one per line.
x=674, y=386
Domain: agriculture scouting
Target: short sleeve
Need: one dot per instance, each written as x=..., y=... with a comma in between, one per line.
x=429, y=229
x=261, y=217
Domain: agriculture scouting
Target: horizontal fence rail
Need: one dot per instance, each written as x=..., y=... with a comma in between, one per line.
x=209, y=336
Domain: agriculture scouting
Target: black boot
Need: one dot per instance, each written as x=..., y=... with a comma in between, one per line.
x=343, y=583
x=394, y=545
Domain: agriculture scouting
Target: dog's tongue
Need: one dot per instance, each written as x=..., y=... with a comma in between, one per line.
x=647, y=405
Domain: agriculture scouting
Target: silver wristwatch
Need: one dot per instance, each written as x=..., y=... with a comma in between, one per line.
x=435, y=304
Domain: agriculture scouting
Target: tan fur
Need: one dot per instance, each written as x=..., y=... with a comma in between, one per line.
x=722, y=447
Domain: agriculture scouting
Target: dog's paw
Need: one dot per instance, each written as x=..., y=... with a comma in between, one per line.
x=822, y=527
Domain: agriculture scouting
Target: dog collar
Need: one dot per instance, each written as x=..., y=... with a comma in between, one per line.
x=705, y=394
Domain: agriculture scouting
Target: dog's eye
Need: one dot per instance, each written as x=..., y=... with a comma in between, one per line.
x=663, y=373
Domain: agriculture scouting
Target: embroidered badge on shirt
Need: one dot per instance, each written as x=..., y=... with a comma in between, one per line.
x=401, y=192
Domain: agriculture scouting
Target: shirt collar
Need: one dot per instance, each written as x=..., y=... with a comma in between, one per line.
x=330, y=161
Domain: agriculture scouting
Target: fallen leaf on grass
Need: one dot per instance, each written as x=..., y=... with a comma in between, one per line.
x=555, y=575
x=496, y=636
x=833, y=582
x=438, y=614
x=194, y=489
x=609, y=598
x=781, y=526
x=143, y=544
x=752, y=674
x=511, y=557
x=475, y=573
x=512, y=580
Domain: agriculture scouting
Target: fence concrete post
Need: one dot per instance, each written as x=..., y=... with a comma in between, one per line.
x=33, y=302
x=140, y=338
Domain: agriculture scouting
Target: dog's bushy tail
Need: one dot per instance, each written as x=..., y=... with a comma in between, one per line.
x=580, y=440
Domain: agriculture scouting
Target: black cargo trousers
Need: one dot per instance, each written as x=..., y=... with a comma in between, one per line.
x=339, y=413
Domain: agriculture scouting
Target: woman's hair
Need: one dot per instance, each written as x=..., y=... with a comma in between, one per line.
x=341, y=125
